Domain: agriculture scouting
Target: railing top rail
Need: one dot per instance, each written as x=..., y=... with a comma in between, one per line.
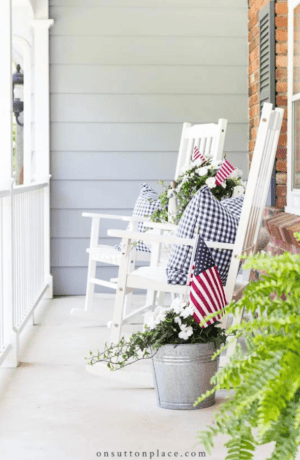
x=4, y=193
x=29, y=188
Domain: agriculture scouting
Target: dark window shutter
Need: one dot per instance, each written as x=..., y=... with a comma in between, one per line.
x=267, y=71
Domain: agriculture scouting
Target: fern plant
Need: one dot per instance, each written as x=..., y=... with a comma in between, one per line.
x=265, y=405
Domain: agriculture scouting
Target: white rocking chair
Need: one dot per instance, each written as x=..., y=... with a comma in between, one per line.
x=154, y=277
x=209, y=138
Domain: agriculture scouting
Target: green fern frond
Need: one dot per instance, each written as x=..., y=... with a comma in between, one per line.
x=241, y=447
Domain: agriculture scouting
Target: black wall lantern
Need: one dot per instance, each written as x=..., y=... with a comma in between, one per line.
x=18, y=82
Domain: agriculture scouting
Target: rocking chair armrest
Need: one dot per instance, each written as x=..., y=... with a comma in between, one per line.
x=126, y=234
x=158, y=225
x=216, y=245
x=146, y=222
x=107, y=216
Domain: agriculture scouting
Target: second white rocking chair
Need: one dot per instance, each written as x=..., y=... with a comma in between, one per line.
x=209, y=138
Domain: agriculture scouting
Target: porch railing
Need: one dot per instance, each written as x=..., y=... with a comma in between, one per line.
x=24, y=275
x=5, y=345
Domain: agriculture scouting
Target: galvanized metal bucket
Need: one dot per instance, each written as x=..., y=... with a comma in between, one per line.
x=182, y=373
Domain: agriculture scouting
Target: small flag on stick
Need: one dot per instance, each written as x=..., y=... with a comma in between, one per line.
x=206, y=288
x=225, y=171
x=197, y=155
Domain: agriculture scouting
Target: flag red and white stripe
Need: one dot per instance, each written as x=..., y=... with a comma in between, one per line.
x=206, y=288
x=224, y=171
x=197, y=155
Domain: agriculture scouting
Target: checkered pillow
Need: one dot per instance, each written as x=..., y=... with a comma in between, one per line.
x=234, y=205
x=145, y=205
x=215, y=223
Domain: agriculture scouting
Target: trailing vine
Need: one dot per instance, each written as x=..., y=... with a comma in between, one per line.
x=172, y=325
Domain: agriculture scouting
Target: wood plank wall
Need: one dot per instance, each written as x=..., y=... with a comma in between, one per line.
x=124, y=76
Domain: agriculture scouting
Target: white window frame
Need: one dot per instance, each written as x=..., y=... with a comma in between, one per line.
x=293, y=195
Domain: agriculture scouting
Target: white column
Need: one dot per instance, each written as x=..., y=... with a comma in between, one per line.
x=41, y=97
x=5, y=90
x=6, y=171
x=42, y=125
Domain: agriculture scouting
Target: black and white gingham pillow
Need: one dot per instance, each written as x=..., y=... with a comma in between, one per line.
x=234, y=205
x=215, y=223
x=145, y=205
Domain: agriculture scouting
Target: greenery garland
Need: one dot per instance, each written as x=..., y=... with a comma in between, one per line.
x=265, y=406
x=172, y=325
x=190, y=181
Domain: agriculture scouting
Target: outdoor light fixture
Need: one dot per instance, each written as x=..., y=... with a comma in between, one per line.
x=18, y=82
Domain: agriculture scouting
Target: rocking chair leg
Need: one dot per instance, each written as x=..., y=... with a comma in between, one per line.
x=118, y=316
x=90, y=288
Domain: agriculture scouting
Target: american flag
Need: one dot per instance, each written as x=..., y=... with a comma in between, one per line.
x=225, y=171
x=206, y=288
x=197, y=155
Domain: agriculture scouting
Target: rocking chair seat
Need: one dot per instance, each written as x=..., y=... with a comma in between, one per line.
x=155, y=278
x=158, y=276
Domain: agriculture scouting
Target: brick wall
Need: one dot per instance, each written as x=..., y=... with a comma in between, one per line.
x=281, y=18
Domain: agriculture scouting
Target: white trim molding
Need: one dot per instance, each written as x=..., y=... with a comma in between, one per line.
x=293, y=195
x=41, y=100
x=42, y=123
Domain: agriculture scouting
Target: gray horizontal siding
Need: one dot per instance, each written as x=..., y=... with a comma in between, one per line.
x=148, y=50
x=124, y=76
x=69, y=223
x=148, y=79
x=121, y=166
x=120, y=108
x=148, y=22
x=96, y=194
x=134, y=137
x=118, y=166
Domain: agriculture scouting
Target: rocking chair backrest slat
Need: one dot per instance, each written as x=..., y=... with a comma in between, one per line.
x=208, y=138
x=257, y=189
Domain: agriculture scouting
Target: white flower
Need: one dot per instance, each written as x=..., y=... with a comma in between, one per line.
x=177, y=305
x=233, y=175
x=188, y=311
x=236, y=174
x=197, y=162
x=211, y=182
x=152, y=324
x=184, y=169
x=161, y=316
x=178, y=320
x=186, y=333
x=202, y=171
x=109, y=324
x=215, y=164
x=238, y=190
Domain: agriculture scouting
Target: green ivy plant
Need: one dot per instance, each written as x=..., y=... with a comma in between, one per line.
x=265, y=405
x=172, y=325
x=190, y=181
